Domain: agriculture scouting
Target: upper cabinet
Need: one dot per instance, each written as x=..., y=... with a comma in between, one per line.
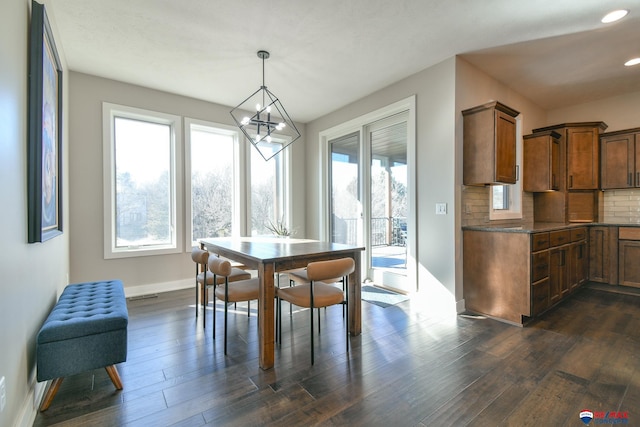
x=541, y=155
x=620, y=159
x=489, y=145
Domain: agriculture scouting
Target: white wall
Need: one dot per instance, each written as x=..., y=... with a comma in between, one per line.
x=32, y=275
x=148, y=274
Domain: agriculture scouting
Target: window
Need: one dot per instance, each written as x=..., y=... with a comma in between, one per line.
x=140, y=181
x=213, y=164
x=220, y=163
x=269, y=198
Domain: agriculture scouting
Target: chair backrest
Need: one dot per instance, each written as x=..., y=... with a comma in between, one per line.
x=199, y=256
x=219, y=266
x=323, y=270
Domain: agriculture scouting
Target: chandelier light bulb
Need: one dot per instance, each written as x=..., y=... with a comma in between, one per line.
x=269, y=109
x=245, y=120
x=258, y=138
x=257, y=107
x=268, y=138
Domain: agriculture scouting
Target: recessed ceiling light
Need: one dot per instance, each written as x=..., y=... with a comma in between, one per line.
x=614, y=16
x=634, y=61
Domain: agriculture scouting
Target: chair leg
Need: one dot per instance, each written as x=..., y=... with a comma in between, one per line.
x=311, y=311
x=248, y=308
x=319, y=320
x=214, y=315
x=205, y=302
x=226, y=309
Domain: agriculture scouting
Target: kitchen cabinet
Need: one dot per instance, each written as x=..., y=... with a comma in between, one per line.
x=628, y=256
x=515, y=276
x=578, y=258
x=558, y=265
x=541, y=162
x=603, y=254
x=620, y=159
x=577, y=198
x=489, y=145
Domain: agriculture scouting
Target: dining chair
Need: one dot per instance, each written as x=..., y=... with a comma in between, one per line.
x=317, y=292
x=228, y=292
x=299, y=276
x=205, y=279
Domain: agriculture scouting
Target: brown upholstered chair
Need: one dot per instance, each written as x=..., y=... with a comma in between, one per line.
x=318, y=293
x=205, y=279
x=236, y=291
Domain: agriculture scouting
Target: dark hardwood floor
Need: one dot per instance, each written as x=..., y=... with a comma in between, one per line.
x=409, y=367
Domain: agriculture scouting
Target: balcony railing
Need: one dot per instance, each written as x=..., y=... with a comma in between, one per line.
x=385, y=231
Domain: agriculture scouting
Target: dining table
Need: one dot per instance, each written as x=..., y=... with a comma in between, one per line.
x=272, y=255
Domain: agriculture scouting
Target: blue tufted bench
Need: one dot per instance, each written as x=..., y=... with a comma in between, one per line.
x=86, y=330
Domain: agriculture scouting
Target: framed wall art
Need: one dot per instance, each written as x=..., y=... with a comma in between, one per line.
x=44, y=150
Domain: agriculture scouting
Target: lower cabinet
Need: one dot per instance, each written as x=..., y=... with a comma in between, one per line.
x=516, y=276
x=628, y=256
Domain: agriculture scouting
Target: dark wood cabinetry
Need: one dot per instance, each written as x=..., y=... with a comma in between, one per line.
x=516, y=276
x=629, y=256
x=541, y=162
x=620, y=159
x=489, y=145
x=577, y=197
x=603, y=254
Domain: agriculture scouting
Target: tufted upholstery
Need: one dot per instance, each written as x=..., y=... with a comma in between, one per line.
x=87, y=329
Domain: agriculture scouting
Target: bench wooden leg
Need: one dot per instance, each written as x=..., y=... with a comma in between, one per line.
x=48, y=397
x=115, y=377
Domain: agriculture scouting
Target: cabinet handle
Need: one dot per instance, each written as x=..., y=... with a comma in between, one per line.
x=571, y=181
x=630, y=179
x=517, y=173
x=562, y=261
x=637, y=178
x=553, y=180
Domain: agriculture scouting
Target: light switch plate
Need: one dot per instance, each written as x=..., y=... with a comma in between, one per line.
x=441, y=208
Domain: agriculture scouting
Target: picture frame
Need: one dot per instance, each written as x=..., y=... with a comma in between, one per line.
x=44, y=133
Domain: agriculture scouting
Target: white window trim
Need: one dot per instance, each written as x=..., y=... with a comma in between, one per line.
x=515, y=190
x=109, y=112
x=237, y=203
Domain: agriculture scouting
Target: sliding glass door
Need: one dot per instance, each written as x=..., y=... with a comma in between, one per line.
x=369, y=200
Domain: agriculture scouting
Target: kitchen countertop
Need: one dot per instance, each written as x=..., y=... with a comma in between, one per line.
x=539, y=227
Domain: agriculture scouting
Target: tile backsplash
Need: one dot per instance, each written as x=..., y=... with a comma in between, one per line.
x=621, y=206
x=618, y=206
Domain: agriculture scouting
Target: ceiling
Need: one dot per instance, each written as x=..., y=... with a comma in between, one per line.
x=328, y=53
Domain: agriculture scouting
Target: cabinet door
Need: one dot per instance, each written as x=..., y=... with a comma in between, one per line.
x=583, y=158
x=505, y=148
x=541, y=162
x=618, y=157
x=558, y=274
x=629, y=267
x=577, y=265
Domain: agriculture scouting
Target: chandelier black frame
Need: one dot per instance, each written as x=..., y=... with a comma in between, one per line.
x=269, y=129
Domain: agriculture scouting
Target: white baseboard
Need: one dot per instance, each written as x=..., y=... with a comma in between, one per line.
x=460, y=306
x=31, y=403
x=156, y=288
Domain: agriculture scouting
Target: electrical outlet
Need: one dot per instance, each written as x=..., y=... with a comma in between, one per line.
x=3, y=395
x=441, y=208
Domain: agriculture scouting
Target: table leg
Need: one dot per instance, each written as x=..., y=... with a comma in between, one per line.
x=355, y=297
x=266, y=318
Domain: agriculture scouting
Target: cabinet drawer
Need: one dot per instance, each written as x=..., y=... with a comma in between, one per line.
x=539, y=297
x=539, y=266
x=558, y=238
x=539, y=241
x=629, y=233
x=578, y=234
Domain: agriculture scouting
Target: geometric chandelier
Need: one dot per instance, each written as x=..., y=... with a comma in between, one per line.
x=264, y=121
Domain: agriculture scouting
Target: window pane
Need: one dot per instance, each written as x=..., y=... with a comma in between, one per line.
x=500, y=197
x=211, y=182
x=143, y=183
x=267, y=201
